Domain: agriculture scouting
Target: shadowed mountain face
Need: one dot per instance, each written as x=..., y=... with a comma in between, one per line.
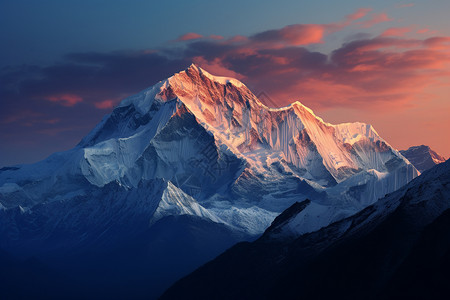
x=397, y=248
x=422, y=157
x=197, y=149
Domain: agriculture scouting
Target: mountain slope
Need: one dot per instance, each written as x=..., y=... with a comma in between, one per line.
x=214, y=140
x=193, y=147
x=398, y=247
x=139, y=267
x=422, y=157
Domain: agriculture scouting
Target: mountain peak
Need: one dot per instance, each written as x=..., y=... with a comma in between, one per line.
x=228, y=109
x=194, y=67
x=422, y=157
x=194, y=71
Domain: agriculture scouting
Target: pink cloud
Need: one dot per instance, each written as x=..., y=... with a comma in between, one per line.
x=292, y=35
x=388, y=73
x=307, y=34
x=106, y=104
x=190, y=36
x=237, y=39
x=422, y=31
x=65, y=99
x=20, y=117
x=216, y=37
x=348, y=20
x=360, y=13
x=303, y=34
x=438, y=43
x=375, y=19
x=377, y=74
x=396, y=31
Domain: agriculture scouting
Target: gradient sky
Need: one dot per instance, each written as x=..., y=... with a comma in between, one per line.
x=65, y=64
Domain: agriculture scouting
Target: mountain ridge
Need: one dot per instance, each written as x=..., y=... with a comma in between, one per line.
x=191, y=149
x=422, y=157
x=397, y=247
x=245, y=151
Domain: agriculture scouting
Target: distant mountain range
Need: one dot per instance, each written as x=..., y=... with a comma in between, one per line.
x=422, y=157
x=397, y=248
x=178, y=173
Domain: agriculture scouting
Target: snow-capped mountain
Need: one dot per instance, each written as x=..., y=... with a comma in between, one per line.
x=422, y=157
x=214, y=141
x=199, y=146
x=398, y=247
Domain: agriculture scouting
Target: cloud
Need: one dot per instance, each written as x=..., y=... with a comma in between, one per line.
x=388, y=71
x=438, y=43
x=375, y=19
x=73, y=94
x=364, y=71
x=358, y=14
x=216, y=37
x=293, y=35
x=305, y=34
x=396, y=31
x=385, y=71
x=105, y=104
x=190, y=36
x=422, y=31
x=216, y=67
x=65, y=99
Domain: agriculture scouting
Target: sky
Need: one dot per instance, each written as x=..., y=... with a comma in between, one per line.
x=64, y=65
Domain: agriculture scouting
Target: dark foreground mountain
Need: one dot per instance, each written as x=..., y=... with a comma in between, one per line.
x=422, y=157
x=398, y=248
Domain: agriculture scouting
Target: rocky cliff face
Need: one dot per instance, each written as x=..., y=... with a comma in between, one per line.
x=422, y=157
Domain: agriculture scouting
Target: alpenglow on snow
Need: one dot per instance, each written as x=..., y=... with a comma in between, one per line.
x=201, y=145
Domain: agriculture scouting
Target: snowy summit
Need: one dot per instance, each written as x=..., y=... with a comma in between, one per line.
x=237, y=161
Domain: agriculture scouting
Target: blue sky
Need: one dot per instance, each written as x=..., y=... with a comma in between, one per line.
x=42, y=31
